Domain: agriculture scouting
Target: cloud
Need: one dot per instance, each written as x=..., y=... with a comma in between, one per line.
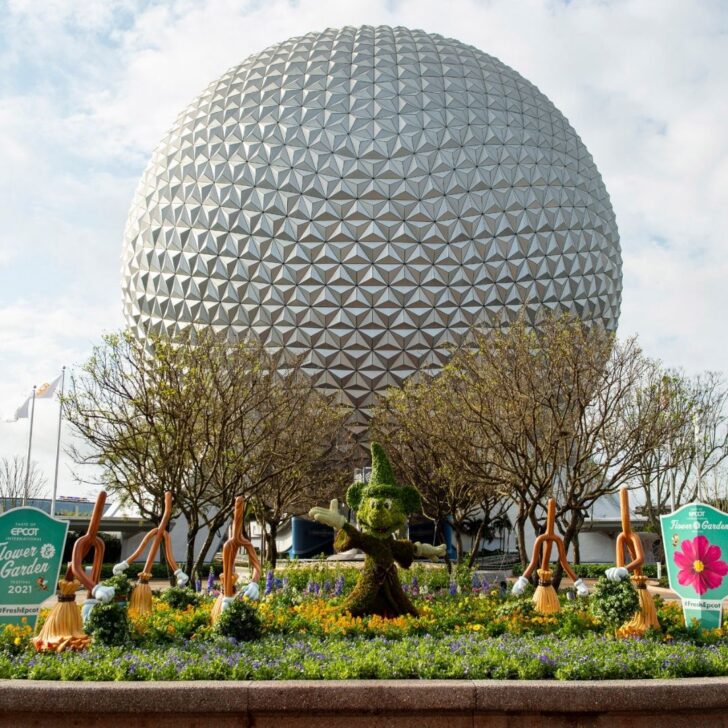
x=88, y=88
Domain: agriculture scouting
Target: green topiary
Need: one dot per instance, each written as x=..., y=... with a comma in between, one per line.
x=109, y=625
x=180, y=597
x=240, y=621
x=614, y=602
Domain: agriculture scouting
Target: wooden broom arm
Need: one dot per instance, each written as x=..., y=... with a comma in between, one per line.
x=88, y=541
x=628, y=539
x=160, y=531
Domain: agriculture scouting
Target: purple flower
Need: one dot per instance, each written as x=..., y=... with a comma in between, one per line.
x=415, y=586
x=210, y=580
x=269, y=583
x=339, y=586
x=453, y=588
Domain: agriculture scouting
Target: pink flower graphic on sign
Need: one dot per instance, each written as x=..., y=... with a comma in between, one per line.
x=700, y=565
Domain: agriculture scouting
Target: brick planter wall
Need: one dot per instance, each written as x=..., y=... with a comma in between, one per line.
x=688, y=703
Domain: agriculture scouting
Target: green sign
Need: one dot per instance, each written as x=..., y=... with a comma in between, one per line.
x=31, y=549
x=695, y=539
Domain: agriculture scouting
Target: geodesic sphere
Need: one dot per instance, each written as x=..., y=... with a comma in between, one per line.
x=364, y=196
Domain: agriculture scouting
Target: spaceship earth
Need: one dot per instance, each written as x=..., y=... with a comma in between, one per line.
x=363, y=197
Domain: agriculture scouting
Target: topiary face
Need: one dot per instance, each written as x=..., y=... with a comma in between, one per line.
x=382, y=507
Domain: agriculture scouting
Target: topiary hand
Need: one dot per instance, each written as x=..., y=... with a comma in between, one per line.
x=616, y=573
x=426, y=551
x=328, y=516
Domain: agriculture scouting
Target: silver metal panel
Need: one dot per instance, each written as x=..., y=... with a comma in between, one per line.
x=364, y=196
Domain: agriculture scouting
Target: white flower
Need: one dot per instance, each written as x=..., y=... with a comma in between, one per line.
x=47, y=550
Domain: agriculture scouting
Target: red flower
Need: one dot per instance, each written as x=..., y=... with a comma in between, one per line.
x=700, y=565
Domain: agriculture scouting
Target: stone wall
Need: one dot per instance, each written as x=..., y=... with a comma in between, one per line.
x=688, y=703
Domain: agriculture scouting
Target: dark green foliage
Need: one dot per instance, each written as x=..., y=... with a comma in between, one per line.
x=122, y=587
x=109, y=625
x=180, y=597
x=354, y=495
x=240, y=621
x=381, y=469
x=594, y=571
x=614, y=602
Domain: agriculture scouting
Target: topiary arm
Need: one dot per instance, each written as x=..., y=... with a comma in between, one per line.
x=328, y=516
x=425, y=550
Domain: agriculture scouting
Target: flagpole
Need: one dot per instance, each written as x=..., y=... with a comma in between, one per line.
x=30, y=444
x=58, y=445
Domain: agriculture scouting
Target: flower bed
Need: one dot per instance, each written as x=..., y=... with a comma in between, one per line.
x=465, y=630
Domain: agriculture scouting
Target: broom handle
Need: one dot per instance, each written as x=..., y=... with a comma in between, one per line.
x=168, y=552
x=624, y=512
x=628, y=539
x=564, y=561
x=550, y=518
x=88, y=541
x=159, y=535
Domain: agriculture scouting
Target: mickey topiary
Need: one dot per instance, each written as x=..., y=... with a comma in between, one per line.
x=381, y=508
x=240, y=621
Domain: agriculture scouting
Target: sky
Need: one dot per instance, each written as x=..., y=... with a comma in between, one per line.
x=88, y=88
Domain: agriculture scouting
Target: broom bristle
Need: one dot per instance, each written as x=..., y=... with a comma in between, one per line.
x=646, y=616
x=63, y=628
x=141, y=596
x=216, y=609
x=545, y=599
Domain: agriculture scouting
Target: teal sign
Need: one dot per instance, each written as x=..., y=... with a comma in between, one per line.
x=31, y=549
x=695, y=539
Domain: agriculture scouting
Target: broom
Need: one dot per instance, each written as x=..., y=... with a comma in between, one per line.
x=646, y=616
x=140, y=601
x=229, y=554
x=63, y=629
x=545, y=598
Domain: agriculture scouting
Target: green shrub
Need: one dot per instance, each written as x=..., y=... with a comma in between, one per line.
x=594, y=571
x=122, y=587
x=614, y=602
x=180, y=597
x=109, y=625
x=240, y=621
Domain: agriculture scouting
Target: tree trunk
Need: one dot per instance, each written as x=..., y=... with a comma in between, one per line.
x=441, y=532
x=273, y=551
x=211, y=534
x=475, y=546
x=192, y=532
x=521, y=536
x=263, y=541
x=458, y=544
x=577, y=550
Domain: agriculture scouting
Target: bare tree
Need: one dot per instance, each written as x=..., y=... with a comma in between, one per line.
x=188, y=414
x=569, y=410
x=681, y=468
x=15, y=489
x=422, y=433
x=311, y=459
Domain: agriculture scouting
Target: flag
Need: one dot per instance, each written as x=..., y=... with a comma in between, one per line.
x=22, y=412
x=44, y=391
x=47, y=390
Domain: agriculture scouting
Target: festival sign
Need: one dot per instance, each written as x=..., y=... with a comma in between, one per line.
x=695, y=539
x=31, y=549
